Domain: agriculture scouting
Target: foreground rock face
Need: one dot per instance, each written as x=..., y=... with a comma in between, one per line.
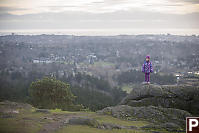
x=169, y=96
x=165, y=106
x=83, y=121
x=13, y=107
x=168, y=118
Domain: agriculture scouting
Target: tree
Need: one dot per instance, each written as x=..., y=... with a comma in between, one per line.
x=51, y=93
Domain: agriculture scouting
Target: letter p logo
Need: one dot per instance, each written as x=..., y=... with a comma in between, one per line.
x=192, y=124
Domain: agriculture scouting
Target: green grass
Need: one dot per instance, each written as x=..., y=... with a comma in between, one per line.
x=29, y=121
x=26, y=121
x=12, y=125
x=87, y=129
x=127, y=88
x=110, y=119
x=59, y=111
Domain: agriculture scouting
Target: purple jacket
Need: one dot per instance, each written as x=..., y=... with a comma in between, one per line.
x=147, y=67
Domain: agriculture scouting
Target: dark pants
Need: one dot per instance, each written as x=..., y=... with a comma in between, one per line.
x=147, y=77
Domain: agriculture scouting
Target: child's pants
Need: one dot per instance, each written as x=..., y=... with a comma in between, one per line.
x=147, y=77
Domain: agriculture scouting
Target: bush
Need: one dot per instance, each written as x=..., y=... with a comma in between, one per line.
x=51, y=93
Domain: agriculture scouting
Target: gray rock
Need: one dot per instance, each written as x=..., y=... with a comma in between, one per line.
x=151, y=126
x=156, y=115
x=183, y=97
x=6, y=116
x=83, y=121
x=13, y=107
x=172, y=127
x=110, y=126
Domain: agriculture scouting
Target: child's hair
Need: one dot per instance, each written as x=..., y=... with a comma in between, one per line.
x=148, y=56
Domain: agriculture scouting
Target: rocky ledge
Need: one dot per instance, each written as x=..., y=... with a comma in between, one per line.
x=183, y=97
x=164, y=106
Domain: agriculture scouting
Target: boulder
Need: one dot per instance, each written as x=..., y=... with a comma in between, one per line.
x=183, y=97
x=153, y=114
x=168, y=126
x=13, y=107
x=110, y=126
x=83, y=121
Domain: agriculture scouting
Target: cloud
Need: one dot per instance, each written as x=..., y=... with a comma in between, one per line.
x=8, y=9
x=81, y=20
x=98, y=14
x=102, y=6
x=190, y=1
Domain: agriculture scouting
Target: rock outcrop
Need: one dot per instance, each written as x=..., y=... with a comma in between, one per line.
x=167, y=118
x=83, y=121
x=165, y=106
x=13, y=107
x=168, y=96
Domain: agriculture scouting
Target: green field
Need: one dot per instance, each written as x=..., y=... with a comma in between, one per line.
x=27, y=119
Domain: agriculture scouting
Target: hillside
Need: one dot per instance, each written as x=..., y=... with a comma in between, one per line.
x=23, y=118
x=147, y=109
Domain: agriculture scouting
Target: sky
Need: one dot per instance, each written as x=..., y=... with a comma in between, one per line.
x=140, y=15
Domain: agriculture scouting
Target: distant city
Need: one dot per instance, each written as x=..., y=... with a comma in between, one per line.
x=100, y=56
x=100, y=32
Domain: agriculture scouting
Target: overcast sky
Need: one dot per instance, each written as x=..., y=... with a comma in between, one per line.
x=99, y=14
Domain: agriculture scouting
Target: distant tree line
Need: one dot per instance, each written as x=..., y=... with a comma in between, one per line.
x=94, y=93
x=90, y=92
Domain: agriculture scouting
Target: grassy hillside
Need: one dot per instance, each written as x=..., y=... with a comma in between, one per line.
x=23, y=118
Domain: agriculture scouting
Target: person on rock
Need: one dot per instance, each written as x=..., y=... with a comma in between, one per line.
x=147, y=69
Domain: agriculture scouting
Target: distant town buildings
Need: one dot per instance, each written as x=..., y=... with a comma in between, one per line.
x=91, y=58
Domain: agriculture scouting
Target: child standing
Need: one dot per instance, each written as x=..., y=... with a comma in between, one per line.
x=147, y=69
